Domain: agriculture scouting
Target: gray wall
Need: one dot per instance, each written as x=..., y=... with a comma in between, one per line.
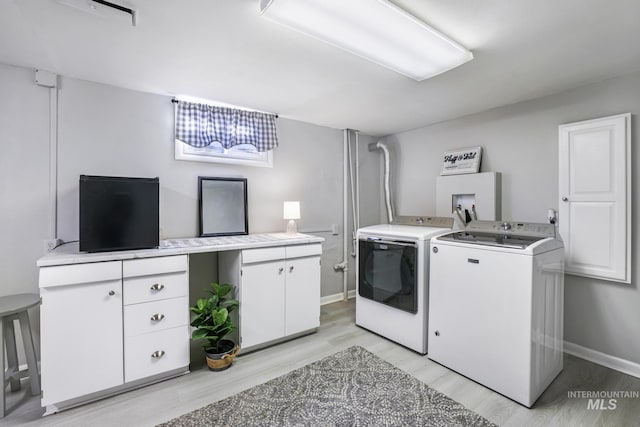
x=105, y=130
x=24, y=178
x=521, y=141
x=366, y=174
x=24, y=183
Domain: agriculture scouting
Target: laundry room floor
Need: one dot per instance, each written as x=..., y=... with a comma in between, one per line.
x=160, y=402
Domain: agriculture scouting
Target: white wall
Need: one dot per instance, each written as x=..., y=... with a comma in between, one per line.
x=521, y=141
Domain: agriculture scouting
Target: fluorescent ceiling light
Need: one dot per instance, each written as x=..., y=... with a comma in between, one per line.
x=106, y=9
x=376, y=30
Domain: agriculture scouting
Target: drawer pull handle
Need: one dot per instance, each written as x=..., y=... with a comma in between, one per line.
x=157, y=354
x=157, y=287
x=157, y=317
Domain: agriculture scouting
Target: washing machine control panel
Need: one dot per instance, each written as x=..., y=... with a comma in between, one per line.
x=532, y=229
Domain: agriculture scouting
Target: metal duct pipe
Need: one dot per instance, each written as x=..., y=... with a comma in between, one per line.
x=387, y=177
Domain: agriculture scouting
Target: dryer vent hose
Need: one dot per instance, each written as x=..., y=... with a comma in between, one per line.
x=387, y=177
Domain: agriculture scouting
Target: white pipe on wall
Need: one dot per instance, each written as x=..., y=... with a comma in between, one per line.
x=357, y=184
x=388, y=199
x=345, y=217
x=353, y=187
x=53, y=163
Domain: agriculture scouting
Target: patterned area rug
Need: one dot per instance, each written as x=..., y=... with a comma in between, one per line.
x=350, y=388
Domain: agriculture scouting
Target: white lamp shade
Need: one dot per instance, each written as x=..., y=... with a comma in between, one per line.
x=376, y=30
x=291, y=210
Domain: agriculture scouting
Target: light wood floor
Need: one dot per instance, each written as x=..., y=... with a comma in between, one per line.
x=160, y=402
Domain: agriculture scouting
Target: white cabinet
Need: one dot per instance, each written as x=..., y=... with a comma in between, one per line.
x=278, y=289
x=81, y=333
x=595, y=197
x=156, y=316
x=302, y=295
x=261, y=291
x=107, y=324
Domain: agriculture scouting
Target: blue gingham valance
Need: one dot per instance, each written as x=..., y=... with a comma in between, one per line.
x=199, y=125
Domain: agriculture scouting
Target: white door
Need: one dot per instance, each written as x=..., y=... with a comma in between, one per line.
x=81, y=339
x=595, y=197
x=262, y=303
x=302, y=300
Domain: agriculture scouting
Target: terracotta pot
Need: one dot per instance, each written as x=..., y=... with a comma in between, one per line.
x=223, y=358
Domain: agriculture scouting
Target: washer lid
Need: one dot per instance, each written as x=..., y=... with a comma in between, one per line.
x=492, y=239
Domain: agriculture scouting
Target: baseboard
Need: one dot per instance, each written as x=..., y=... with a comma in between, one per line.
x=337, y=297
x=613, y=362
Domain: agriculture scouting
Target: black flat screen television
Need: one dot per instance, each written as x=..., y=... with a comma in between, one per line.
x=118, y=213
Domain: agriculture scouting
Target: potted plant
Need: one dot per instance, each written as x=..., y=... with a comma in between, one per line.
x=213, y=323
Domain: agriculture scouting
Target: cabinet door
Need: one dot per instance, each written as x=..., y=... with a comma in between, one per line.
x=262, y=303
x=595, y=197
x=81, y=339
x=302, y=299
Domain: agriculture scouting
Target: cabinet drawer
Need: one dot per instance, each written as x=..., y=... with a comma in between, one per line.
x=156, y=265
x=80, y=273
x=154, y=288
x=250, y=256
x=155, y=316
x=171, y=346
x=298, y=251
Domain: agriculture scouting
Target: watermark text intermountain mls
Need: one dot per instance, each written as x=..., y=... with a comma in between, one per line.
x=603, y=400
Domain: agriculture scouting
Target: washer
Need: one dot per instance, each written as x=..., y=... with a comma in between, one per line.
x=496, y=306
x=392, y=279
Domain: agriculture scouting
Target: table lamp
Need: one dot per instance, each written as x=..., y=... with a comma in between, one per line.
x=291, y=212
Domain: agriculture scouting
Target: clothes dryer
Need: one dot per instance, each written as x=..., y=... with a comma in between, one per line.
x=393, y=279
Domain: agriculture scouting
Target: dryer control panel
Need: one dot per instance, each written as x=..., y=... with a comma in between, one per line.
x=515, y=228
x=425, y=221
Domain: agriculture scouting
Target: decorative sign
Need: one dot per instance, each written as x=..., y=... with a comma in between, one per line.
x=464, y=160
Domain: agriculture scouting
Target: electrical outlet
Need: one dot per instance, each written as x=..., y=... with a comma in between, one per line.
x=50, y=244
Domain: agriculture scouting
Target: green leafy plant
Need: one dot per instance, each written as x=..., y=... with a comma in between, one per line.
x=211, y=316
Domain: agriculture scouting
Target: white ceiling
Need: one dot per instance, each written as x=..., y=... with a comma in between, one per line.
x=223, y=50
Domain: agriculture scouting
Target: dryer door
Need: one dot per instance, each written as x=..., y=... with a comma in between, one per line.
x=387, y=273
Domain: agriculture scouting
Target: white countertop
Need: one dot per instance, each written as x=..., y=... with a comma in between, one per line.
x=69, y=253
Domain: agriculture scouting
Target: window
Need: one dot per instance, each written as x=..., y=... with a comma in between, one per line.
x=208, y=133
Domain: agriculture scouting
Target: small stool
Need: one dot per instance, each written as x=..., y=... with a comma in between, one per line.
x=14, y=307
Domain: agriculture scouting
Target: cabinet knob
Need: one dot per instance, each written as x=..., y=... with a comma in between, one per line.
x=157, y=354
x=157, y=287
x=280, y=270
x=157, y=317
x=437, y=333
x=565, y=199
x=291, y=269
x=112, y=293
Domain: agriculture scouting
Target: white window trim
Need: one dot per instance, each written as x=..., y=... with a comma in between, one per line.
x=186, y=152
